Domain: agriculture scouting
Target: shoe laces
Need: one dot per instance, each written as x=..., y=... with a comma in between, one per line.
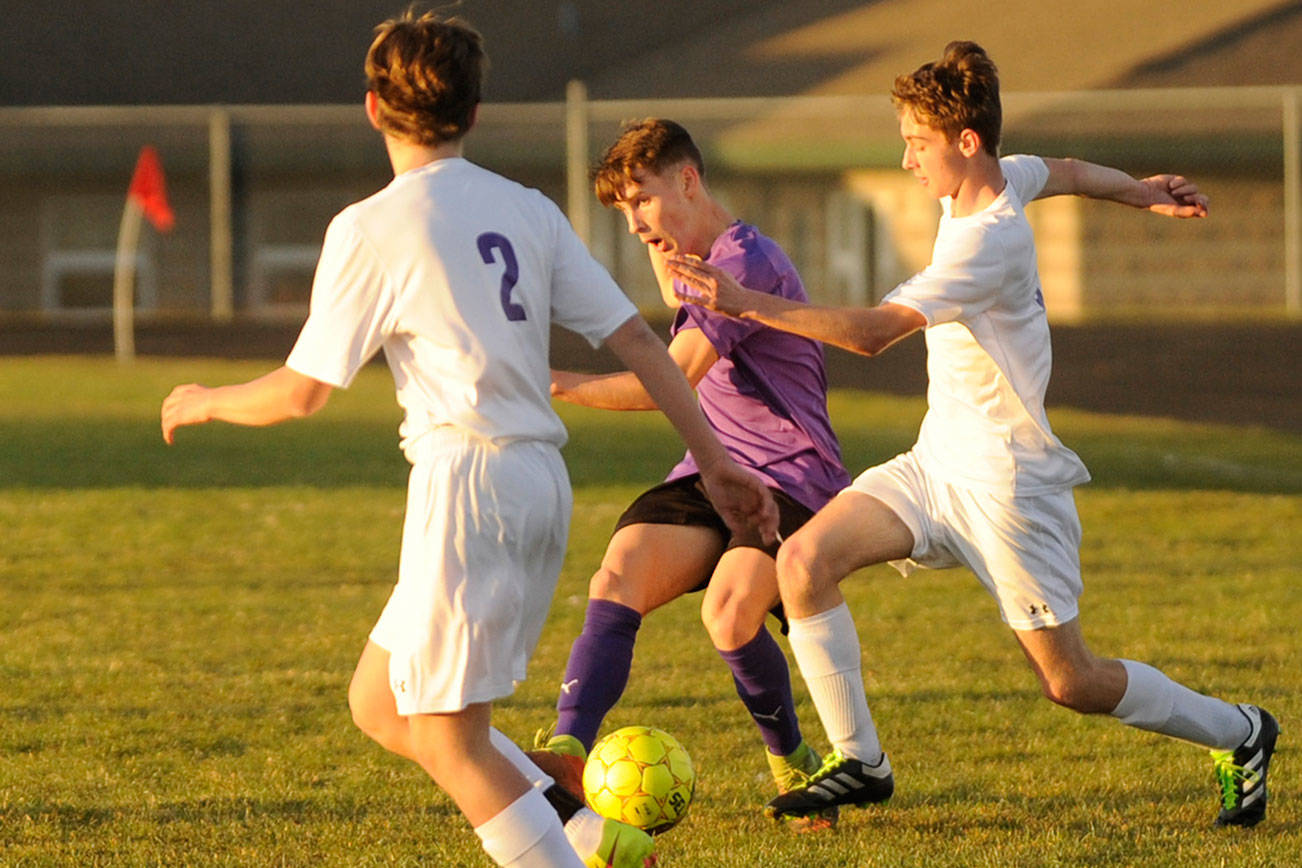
x=544, y=735
x=1231, y=777
x=830, y=763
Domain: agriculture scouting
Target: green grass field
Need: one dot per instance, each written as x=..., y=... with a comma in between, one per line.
x=178, y=626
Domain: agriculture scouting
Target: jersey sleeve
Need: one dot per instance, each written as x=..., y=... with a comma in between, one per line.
x=349, y=314
x=725, y=332
x=962, y=281
x=1026, y=174
x=585, y=298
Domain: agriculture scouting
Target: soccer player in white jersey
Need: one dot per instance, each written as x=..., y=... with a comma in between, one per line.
x=987, y=485
x=457, y=274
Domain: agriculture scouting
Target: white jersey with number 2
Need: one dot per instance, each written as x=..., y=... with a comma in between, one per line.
x=457, y=273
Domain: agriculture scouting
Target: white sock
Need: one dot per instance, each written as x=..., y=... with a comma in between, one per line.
x=585, y=830
x=527, y=834
x=826, y=648
x=509, y=749
x=1154, y=702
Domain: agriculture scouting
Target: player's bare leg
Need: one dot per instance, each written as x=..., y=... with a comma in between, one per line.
x=371, y=702
x=742, y=590
x=1070, y=674
x=1241, y=737
x=854, y=530
x=456, y=751
x=649, y=565
x=514, y=822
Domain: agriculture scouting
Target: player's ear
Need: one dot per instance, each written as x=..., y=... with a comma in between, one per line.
x=689, y=179
x=372, y=103
x=969, y=143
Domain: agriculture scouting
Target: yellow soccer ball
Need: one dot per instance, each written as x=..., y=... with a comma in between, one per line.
x=640, y=775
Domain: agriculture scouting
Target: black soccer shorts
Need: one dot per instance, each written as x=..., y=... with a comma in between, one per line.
x=683, y=501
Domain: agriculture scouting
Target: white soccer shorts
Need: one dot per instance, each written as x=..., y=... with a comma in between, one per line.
x=482, y=545
x=1024, y=549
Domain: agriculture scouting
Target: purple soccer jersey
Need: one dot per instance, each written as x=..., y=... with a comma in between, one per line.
x=766, y=396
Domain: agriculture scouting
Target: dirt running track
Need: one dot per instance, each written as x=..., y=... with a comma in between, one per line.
x=1236, y=373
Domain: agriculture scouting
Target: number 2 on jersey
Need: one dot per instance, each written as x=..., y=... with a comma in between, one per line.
x=488, y=242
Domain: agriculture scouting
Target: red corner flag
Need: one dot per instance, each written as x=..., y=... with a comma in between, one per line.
x=149, y=191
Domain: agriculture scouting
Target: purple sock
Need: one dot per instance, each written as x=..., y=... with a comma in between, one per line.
x=597, y=672
x=759, y=669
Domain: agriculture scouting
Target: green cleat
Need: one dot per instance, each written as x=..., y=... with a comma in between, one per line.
x=622, y=846
x=792, y=772
x=840, y=780
x=1241, y=772
x=562, y=757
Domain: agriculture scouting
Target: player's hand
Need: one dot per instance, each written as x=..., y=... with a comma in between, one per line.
x=186, y=405
x=701, y=283
x=742, y=500
x=1175, y=196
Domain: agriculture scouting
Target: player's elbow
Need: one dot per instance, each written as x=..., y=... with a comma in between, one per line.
x=874, y=330
x=306, y=398
x=866, y=343
x=869, y=339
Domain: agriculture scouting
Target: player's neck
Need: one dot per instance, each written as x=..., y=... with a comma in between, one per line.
x=980, y=186
x=405, y=156
x=714, y=221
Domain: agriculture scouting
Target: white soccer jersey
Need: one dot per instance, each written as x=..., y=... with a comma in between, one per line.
x=988, y=352
x=457, y=273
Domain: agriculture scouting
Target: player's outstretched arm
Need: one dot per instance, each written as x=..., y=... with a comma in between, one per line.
x=690, y=349
x=740, y=497
x=863, y=330
x=282, y=394
x=1169, y=195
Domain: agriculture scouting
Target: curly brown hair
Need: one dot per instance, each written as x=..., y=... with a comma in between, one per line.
x=958, y=92
x=426, y=73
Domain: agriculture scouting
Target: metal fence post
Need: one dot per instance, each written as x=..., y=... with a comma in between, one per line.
x=221, y=244
x=1292, y=204
x=577, y=195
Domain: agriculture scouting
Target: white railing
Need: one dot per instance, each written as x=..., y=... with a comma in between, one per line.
x=760, y=135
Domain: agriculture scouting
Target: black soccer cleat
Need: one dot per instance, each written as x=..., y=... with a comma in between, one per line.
x=1241, y=772
x=839, y=781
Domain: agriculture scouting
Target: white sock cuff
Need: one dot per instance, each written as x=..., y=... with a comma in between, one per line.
x=509, y=749
x=826, y=643
x=1149, y=697
x=516, y=828
x=584, y=830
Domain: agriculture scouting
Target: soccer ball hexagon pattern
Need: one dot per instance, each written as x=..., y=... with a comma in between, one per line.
x=641, y=776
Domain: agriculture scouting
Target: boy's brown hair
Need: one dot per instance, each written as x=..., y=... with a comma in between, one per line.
x=651, y=145
x=426, y=73
x=958, y=92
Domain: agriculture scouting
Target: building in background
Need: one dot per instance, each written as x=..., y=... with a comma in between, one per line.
x=786, y=97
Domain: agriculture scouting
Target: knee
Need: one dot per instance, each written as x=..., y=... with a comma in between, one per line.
x=376, y=720
x=729, y=621
x=801, y=573
x=364, y=716
x=607, y=584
